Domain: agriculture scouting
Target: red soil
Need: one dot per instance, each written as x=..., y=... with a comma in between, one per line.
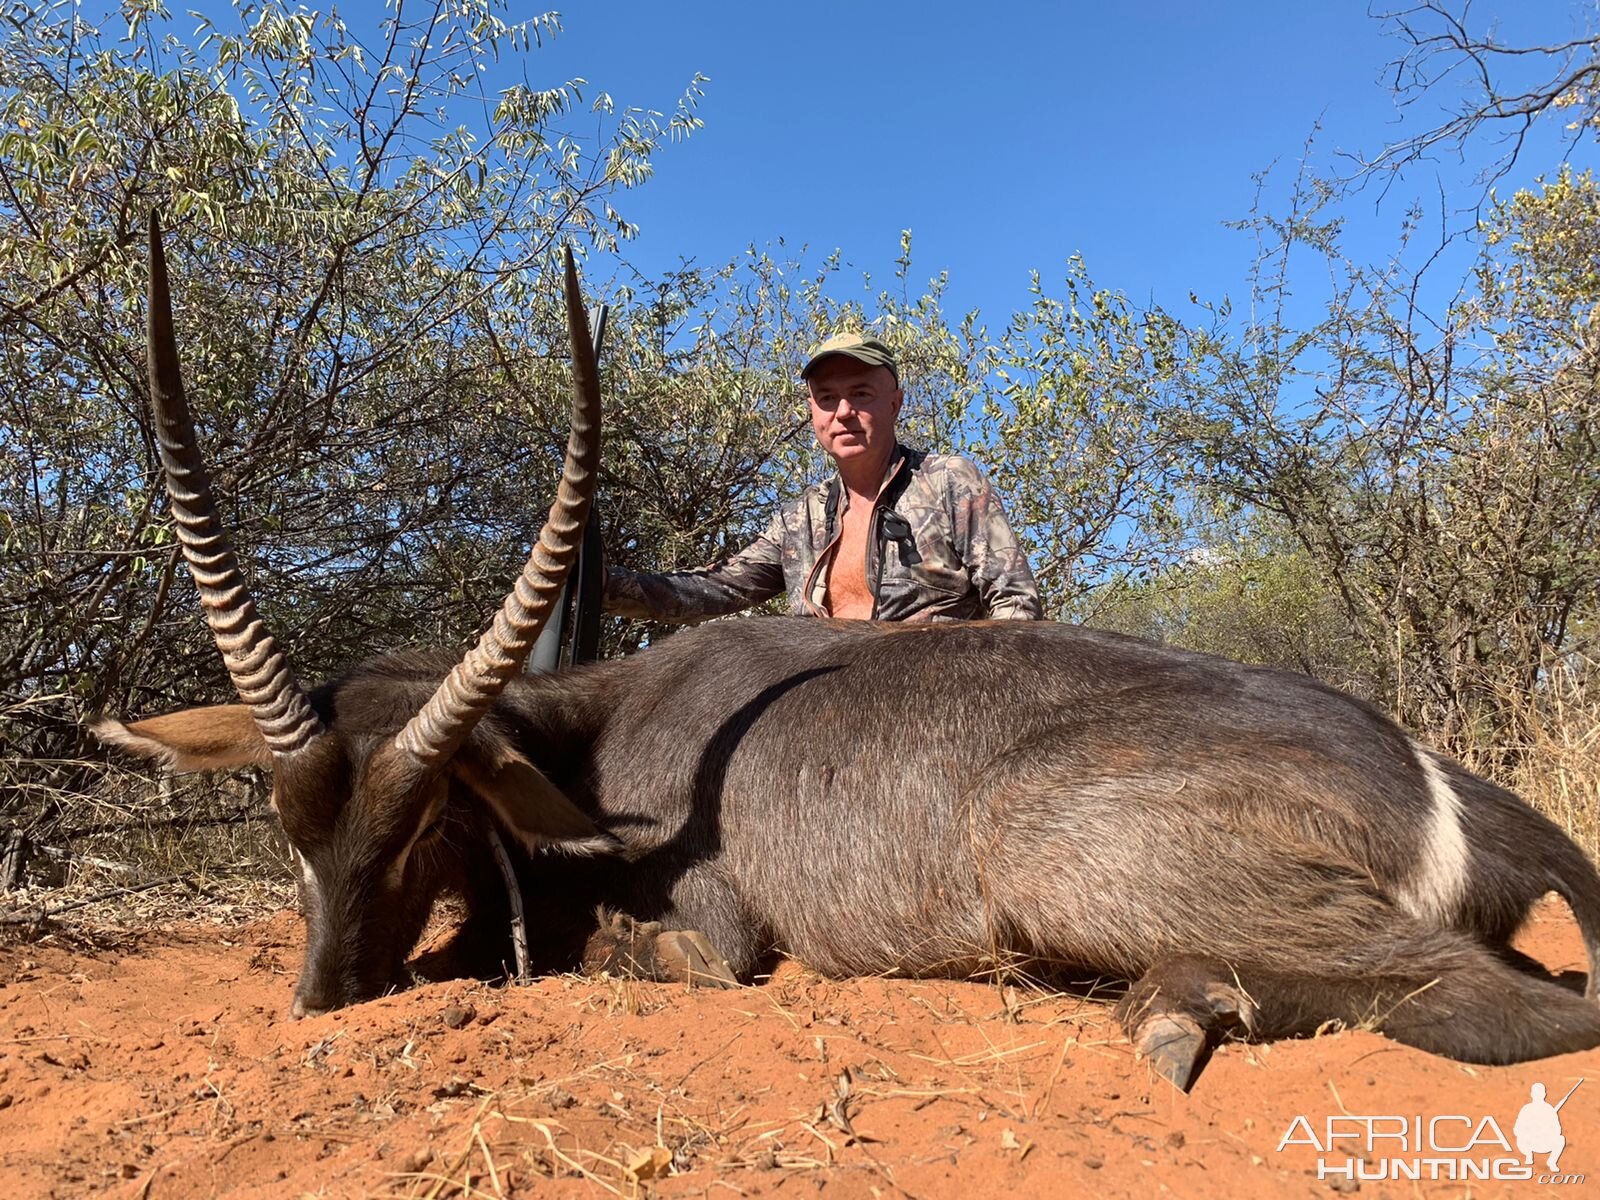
x=168, y=1067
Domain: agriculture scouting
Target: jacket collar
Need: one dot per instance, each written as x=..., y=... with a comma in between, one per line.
x=902, y=465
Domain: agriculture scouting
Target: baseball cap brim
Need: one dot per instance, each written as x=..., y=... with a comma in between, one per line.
x=864, y=350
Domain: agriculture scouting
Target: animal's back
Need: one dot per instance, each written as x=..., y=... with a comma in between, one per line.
x=918, y=798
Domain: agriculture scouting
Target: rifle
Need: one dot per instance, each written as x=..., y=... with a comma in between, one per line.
x=1570, y=1090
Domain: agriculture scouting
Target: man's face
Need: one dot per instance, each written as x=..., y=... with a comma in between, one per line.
x=853, y=408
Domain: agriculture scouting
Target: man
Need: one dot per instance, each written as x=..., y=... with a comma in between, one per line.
x=896, y=535
x=1538, y=1127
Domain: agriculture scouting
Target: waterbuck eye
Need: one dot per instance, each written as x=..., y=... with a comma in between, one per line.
x=432, y=828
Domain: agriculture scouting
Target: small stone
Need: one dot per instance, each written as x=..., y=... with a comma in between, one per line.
x=417, y=1161
x=650, y=1164
x=1175, y=1140
x=459, y=1015
x=1094, y=1164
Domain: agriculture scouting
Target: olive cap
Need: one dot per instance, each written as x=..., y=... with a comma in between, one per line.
x=862, y=347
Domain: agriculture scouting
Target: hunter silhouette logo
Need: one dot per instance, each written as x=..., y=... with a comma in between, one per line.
x=1453, y=1146
x=1538, y=1127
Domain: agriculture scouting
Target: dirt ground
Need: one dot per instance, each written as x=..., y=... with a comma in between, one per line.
x=165, y=1065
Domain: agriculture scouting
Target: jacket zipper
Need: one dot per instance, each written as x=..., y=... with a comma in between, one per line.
x=875, y=554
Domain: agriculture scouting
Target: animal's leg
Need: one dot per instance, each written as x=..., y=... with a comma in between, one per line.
x=1174, y=1012
x=702, y=900
x=1468, y=1004
x=1311, y=939
x=644, y=950
x=1438, y=990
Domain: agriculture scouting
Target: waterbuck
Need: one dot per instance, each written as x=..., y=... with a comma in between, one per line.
x=1250, y=849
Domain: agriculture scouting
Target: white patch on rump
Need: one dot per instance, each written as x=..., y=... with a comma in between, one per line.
x=1439, y=881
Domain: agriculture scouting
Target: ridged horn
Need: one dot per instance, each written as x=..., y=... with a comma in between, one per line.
x=436, y=732
x=258, y=668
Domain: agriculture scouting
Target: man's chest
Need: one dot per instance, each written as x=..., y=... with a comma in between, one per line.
x=849, y=595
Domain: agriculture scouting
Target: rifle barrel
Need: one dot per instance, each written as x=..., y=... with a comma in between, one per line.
x=1570, y=1090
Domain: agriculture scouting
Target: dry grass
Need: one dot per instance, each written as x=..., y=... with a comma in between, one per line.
x=1558, y=759
x=131, y=851
x=639, y=1113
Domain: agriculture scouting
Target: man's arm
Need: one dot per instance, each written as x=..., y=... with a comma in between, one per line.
x=749, y=577
x=995, y=562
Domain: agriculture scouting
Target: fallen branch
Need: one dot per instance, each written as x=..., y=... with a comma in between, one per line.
x=519, y=924
x=104, y=864
x=13, y=859
x=44, y=914
x=237, y=817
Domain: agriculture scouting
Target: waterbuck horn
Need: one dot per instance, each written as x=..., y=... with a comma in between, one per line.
x=258, y=668
x=435, y=733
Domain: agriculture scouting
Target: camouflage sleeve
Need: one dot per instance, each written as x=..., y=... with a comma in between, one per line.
x=749, y=577
x=995, y=561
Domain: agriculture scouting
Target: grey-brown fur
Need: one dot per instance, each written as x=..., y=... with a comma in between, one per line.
x=942, y=799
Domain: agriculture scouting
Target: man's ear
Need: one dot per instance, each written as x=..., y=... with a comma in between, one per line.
x=527, y=804
x=197, y=739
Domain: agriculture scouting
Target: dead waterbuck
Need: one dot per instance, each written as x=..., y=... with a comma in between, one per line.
x=1252, y=850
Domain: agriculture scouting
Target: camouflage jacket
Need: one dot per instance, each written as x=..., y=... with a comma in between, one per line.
x=938, y=549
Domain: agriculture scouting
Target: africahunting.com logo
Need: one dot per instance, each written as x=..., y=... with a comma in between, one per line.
x=1358, y=1147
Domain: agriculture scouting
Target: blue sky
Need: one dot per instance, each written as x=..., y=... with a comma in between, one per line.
x=1010, y=137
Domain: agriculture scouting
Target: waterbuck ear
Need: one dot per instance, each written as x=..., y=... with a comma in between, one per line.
x=196, y=739
x=527, y=804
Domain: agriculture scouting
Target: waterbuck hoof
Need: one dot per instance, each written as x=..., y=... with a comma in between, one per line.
x=1174, y=1043
x=1176, y=1010
x=642, y=950
x=687, y=956
x=1232, y=1008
